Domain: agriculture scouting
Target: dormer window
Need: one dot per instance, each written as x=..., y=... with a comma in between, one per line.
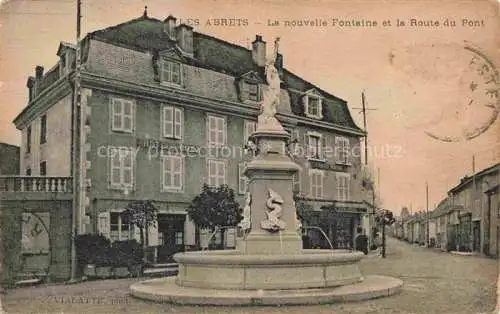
x=313, y=105
x=253, y=92
x=170, y=72
x=250, y=89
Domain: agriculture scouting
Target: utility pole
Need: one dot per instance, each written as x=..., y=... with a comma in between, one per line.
x=383, y=234
x=364, y=126
x=378, y=183
x=76, y=148
x=363, y=110
x=474, y=194
x=427, y=212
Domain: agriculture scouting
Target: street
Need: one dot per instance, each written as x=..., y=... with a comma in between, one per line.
x=434, y=282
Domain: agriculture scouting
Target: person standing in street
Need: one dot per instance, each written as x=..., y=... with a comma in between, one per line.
x=378, y=243
x=361, y=241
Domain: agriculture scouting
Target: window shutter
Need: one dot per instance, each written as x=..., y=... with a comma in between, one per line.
x=242, y=180
x=137, y=233
x=178, y=121
x=168, y=121
x=323, y=145
x=230, y=238
x=153, y=234
x=338, y=149
x=306, y=145
x=116, y=114
x=103, y=224
x=347, y=148
x=245, y=132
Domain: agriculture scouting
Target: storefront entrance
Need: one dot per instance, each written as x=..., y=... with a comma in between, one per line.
x=170, y=236
x=338, y=227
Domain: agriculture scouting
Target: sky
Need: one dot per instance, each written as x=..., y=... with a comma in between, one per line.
x=420, y=78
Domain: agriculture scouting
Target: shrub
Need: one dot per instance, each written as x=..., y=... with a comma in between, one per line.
x=91, y=249
x=126, y=253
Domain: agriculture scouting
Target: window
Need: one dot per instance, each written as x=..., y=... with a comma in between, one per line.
x=313, y=106
x=122, y=115
x=315, y=142
x=343, y=183
x=342, y=149
x=43, y=129
x=172, y=122
x=216, y=130
x=43, y=168
x=295, y=137
x=296, y=182
x=28, y=140
x=248, y=128
x=121, y=168
x=242, y=180
x=253, y=92
x=171, y=72
x=316, y=184
x=173, y=173
x=119, y=226
x=179, y=238
x=216, y=173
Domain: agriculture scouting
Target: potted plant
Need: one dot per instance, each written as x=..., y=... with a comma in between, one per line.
x=104, y=263
x=88, y=249
x=128, y=258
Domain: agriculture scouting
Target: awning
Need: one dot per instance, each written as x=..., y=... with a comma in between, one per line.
x=346, y=207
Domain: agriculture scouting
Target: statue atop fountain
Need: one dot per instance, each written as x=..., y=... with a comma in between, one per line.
x=267, y=118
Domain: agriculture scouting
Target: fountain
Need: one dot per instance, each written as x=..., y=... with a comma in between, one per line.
x=269, y=265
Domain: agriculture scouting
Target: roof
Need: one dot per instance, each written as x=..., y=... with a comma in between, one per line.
x=147, y=34
x=465, y=181
x=2, y=144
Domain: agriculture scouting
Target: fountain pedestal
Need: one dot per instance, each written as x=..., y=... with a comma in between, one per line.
x=271, y=170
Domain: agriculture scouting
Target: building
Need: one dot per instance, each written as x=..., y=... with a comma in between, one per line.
x=9, y=157
x=477, y=196
x=152, y=89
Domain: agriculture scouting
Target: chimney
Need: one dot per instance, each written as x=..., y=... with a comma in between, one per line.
x=185, y=38
x=259, y=51
x=30, y=84
x=169, y=27
x=38, y=72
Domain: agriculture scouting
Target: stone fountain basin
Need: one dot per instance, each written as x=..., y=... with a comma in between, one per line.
x=230, y=269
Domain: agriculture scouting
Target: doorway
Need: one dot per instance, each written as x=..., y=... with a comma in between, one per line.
x=170, y=236
x=476, y=236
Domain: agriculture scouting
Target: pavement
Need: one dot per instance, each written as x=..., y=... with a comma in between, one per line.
x=434, y=282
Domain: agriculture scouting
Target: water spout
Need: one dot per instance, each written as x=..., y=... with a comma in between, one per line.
x=322, y=232
x=217, y=229
x=281, y=242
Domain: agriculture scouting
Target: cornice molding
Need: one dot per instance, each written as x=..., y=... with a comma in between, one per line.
x=47, y=98
x=190, y=100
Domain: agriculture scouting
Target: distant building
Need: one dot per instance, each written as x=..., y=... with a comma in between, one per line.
x=9, y=159
x=468, y=218
x=478, y=227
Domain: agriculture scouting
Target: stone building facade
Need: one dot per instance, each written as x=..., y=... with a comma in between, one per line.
x=9, y=159
x=166, y=109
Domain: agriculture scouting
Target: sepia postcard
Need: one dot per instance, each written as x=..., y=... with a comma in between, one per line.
x=254, y=156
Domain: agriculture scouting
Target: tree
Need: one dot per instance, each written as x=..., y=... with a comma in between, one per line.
x=141, y=214
x=214, y=207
